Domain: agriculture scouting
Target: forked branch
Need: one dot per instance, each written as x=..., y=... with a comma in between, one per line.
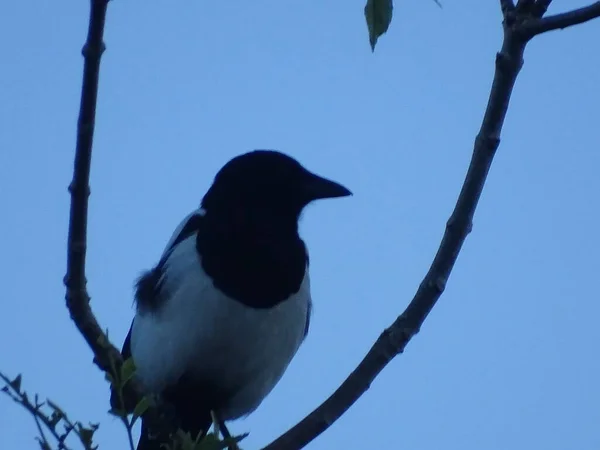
x=560, y=21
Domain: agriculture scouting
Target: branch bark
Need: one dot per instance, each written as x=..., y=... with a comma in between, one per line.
x=560, y=21
x=77, y=297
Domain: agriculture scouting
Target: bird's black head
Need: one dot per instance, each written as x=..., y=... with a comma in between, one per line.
x=267, y=183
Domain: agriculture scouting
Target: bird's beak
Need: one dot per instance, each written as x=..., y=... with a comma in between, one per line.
x=318, y=187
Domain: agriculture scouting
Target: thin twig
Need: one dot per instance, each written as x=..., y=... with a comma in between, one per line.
x=21, y=398
x=38, y=423
x=531, y=28
x=128, y=427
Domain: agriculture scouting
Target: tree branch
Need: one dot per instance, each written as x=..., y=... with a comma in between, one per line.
x=106, y=356
x=531, y=28
x=52, y=422
x=395, y=338
x=75, y=281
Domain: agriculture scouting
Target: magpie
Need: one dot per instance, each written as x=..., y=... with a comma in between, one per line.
x=224, y=311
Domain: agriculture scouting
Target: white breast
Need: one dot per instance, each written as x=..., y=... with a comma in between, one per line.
x=199, y=330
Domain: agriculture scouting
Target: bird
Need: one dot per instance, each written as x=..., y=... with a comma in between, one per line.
x=221, y=315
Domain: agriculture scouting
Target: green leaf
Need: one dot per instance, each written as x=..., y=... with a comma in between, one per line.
x=140, y=408
x=183, y=441
x=234, y=440
x=117, y=413
x=209, y=442
x=56, y=408
x=16, y=383
x=378, y=14
x=127, y=371
x=86, y=435
x=212, y=442
x=54, y=419
x=43, y=444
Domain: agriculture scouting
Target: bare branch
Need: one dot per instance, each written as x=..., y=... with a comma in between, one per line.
x=128, y=427
x=51, y=421
x=507, y=7
x=531, y=28
x=75, y=281
x=395, y=338
x=106, y=355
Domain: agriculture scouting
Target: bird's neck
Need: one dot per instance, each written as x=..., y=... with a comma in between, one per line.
x=258, y=260
x=258, y=224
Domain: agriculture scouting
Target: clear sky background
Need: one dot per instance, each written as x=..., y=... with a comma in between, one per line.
x=509, y=357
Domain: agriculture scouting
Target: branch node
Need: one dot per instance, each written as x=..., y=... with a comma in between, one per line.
x=469, y=227
x=438, y=284
x=488, y=143
x=396, y=337
x=90, y=50
x=508, y=63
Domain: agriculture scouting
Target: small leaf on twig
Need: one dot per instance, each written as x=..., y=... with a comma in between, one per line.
x=140, y=408
x=55, y=408
x=86, y=434
x=378, y=14
x=212, y=442
x=44, y=445
x=127, y=371
x=54, y=419
x=184, y=441
x=16, y=383
x=117, y=413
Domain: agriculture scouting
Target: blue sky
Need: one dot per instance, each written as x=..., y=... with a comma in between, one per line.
x=507, y=359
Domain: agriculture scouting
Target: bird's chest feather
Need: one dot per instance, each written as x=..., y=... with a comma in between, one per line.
x=246, y=350
x=258, y=265
x=201, y=332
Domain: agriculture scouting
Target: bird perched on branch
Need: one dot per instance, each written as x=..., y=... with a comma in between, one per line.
x=222, y=314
